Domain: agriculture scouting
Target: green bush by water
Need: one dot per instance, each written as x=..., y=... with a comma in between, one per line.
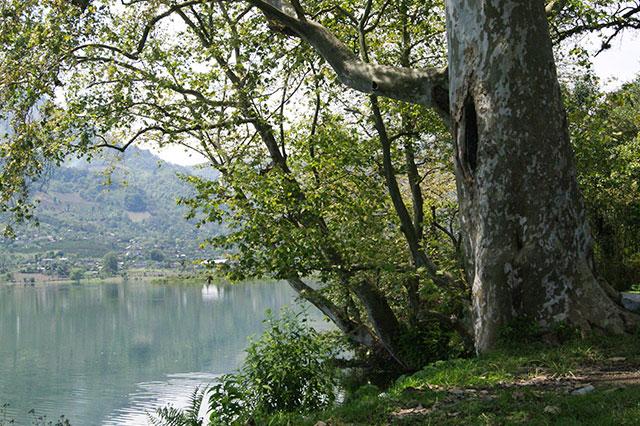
x=287, y=369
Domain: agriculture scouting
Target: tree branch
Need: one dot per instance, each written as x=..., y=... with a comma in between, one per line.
x=554, y=6
x=151, y=24
x=357, y=332
x=299, y=10
x=622, y=19
x=166, y=131
x=427, y=87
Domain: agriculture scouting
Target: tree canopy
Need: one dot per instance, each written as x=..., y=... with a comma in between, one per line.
x=353, y=189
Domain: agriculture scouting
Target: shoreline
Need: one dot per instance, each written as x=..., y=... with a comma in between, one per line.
x=155, y=276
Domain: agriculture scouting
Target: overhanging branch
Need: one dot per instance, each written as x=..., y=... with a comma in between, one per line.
x=167, y=131
x=357, y=332
x=427, y=87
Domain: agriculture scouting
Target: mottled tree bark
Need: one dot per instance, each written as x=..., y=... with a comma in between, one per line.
x=527, y=243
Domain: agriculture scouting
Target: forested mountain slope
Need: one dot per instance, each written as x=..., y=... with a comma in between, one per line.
x=120, y=203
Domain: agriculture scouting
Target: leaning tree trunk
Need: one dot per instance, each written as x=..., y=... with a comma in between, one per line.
x=527, y=241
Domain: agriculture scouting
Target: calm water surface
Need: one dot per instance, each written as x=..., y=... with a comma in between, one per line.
x=106, y=354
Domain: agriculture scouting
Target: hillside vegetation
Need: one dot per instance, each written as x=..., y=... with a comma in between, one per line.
x=125, y=204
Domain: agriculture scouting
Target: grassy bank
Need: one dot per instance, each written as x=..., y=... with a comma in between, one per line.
x=592, y=382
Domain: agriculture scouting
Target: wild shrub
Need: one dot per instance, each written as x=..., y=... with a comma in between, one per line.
x=287, y=369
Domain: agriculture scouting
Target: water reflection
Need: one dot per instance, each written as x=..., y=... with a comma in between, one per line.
x=212, y=292
x=103, y=354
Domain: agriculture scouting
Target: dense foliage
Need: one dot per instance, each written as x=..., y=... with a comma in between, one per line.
x=289, y=366
x=605, y=130
x=287, y=369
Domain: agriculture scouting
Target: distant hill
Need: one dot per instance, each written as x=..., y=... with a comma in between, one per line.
x=84, y=212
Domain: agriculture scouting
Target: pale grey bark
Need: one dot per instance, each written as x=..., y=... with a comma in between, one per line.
x=528, y=246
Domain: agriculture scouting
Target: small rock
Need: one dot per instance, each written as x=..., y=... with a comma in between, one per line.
x=407, y=412
x=631, y=301
x=320, y=423
x=457, y=392
x=517, y=395
x=583, y=390
x=552, y=409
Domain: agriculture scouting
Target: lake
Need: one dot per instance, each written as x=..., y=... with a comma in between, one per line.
x=106, y=354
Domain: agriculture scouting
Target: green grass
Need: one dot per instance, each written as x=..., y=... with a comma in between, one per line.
x=486, y=390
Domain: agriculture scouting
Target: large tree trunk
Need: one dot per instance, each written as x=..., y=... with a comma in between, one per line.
x=527, y=243
x=528, y=246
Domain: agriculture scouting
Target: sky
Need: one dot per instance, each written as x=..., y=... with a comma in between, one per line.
x=619, y=64
x=177, y=155
x=615, y=66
